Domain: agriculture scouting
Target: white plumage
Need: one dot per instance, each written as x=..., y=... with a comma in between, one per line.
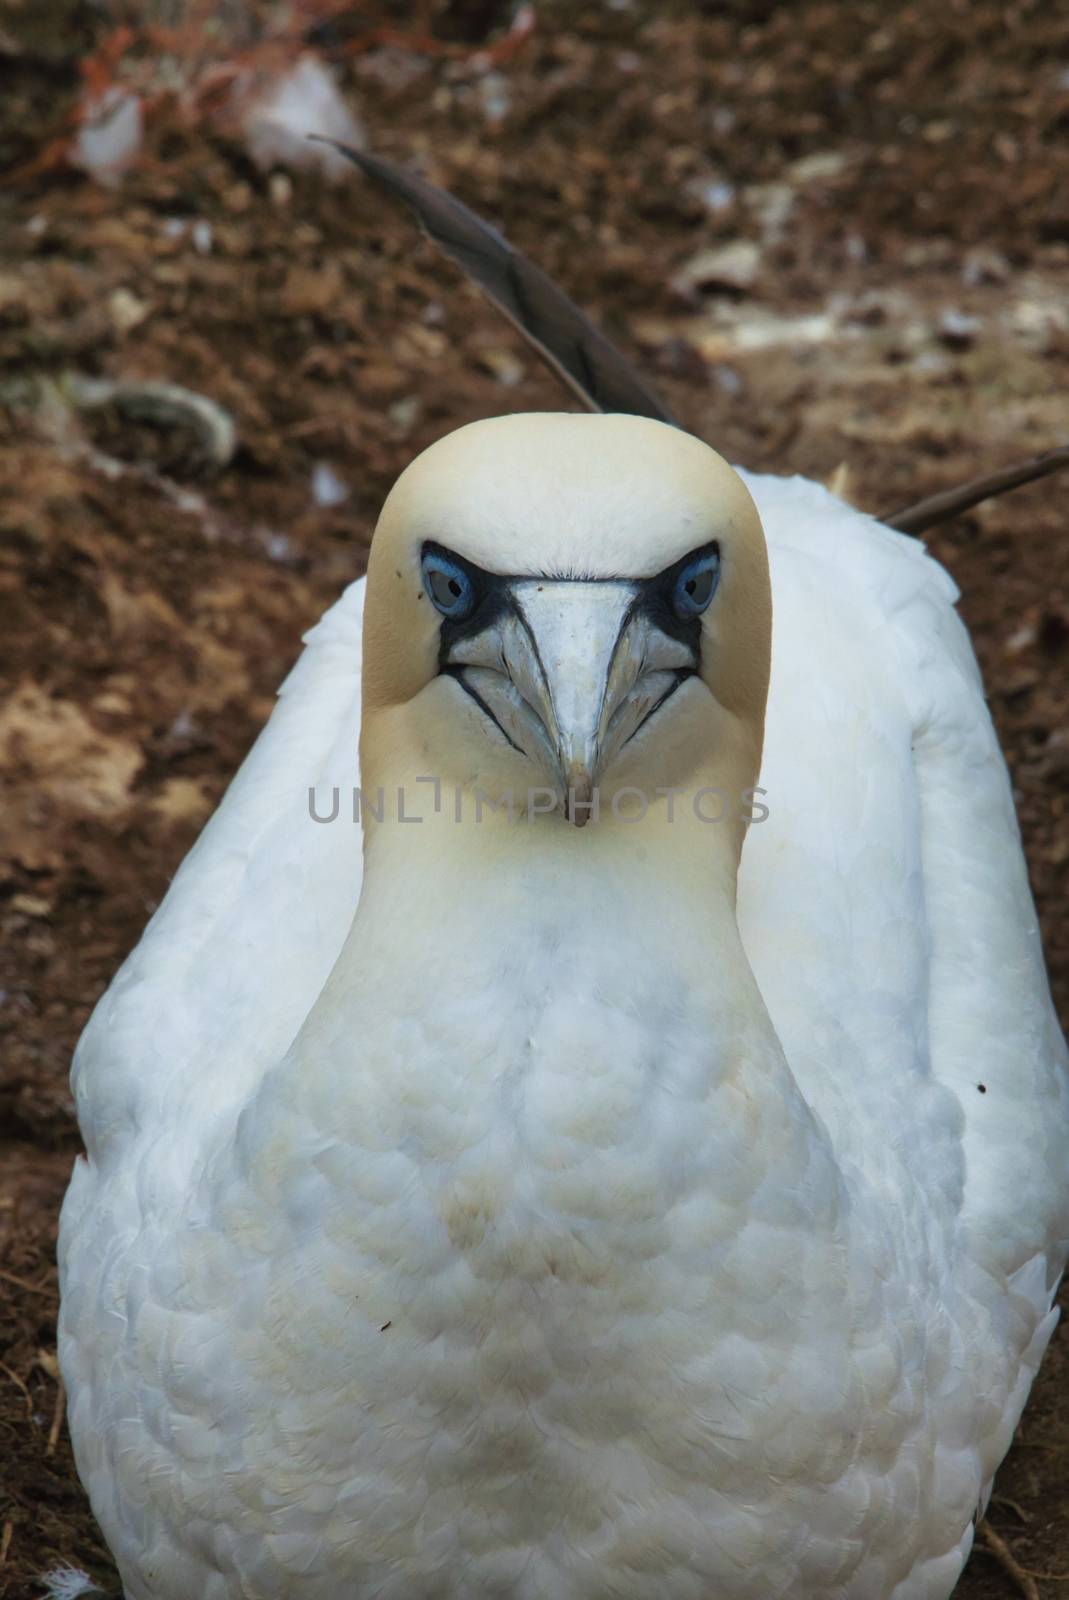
x=529, y=1257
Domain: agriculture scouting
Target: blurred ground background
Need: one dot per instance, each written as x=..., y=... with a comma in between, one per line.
x=836, y=234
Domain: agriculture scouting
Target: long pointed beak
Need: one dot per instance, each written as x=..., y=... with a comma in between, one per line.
x=569, y=674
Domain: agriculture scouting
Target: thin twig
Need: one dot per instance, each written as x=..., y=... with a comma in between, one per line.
x=57, y=1417
x=941, y=507
x=5, y=1541
x=1002, y=1553
x=17, y=1381
x=24, y=1283
x=1019, y=1510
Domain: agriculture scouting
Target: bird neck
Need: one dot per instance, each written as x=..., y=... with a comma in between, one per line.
x=656, y=860
x=493, y=856
x=496, y=871
x=513, y=910
x=486, y=933
x=543, y=996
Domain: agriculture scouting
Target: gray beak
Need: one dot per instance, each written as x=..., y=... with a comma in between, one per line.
x=569, y=673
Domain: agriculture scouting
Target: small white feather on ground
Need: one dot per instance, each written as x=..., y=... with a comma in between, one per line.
x=109, y=139
x=278, y=121
x=67, y=1583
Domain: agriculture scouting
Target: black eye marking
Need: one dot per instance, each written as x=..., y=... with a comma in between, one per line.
x=482, y=599
x=470, y=599
x=676, y=598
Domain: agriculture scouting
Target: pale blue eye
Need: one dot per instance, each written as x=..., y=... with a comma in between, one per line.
x=449, y=587
x=696, y=584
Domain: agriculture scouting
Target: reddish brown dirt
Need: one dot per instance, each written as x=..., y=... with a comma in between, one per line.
x=142, y=639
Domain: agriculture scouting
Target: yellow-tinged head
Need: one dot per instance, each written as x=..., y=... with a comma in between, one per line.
x=568, y=603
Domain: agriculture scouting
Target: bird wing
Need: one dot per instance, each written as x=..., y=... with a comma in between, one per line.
x=885, y=905
x=247, y=933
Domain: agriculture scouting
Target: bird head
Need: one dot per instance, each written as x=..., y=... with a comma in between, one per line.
x=574, y=604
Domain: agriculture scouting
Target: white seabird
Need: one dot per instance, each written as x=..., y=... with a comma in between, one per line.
x=567, y=1212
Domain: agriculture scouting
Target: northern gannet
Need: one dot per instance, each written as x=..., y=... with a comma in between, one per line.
x=570, y=1212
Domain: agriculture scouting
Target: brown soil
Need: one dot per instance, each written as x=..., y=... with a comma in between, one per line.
x=143, y=632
